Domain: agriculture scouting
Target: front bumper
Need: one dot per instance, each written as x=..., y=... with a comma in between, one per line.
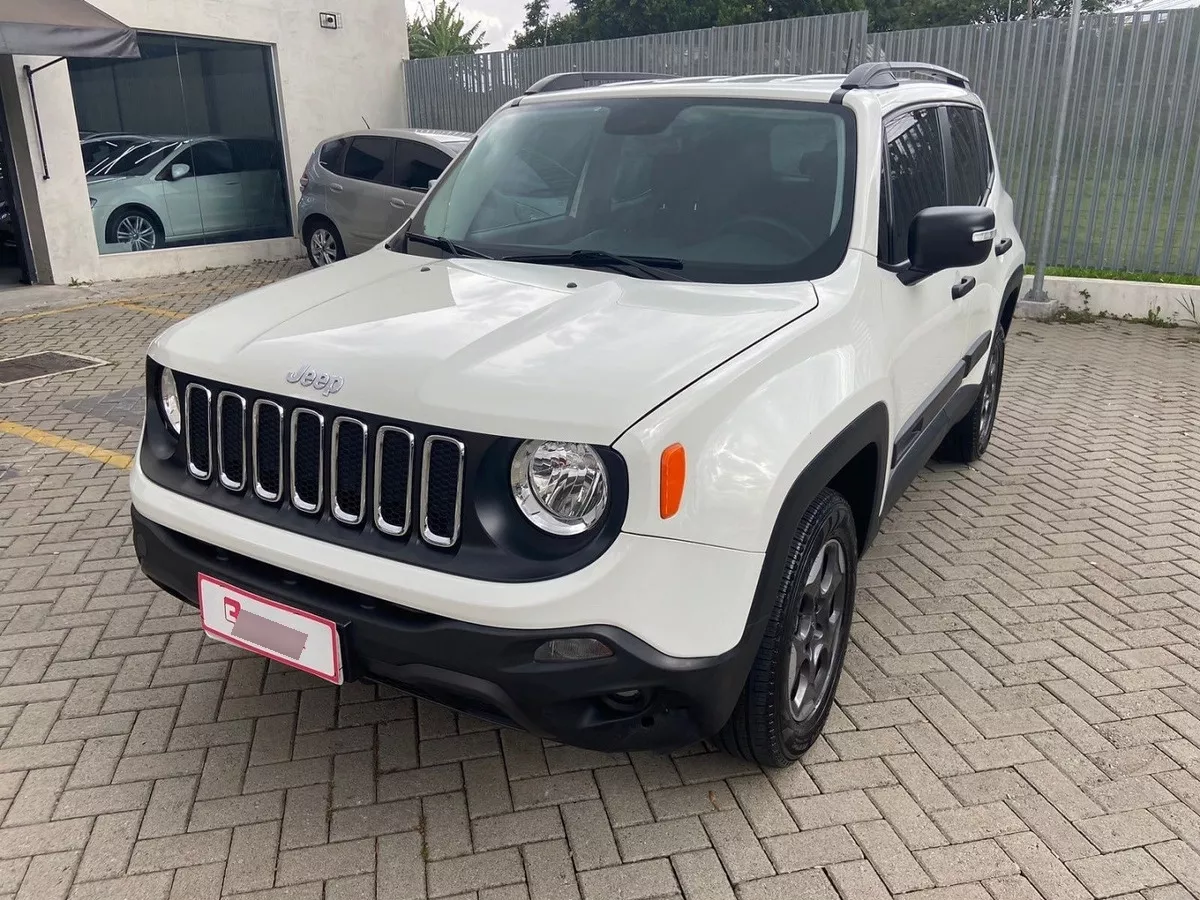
x=484, y=671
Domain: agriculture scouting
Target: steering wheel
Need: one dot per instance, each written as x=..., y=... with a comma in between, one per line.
x=771, y=230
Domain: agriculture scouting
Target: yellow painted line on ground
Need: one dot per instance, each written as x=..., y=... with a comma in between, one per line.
x=152, y=310
x=51, y=312
x=67, y=445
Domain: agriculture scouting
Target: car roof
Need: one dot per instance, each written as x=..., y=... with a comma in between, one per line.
x=804, y=88
x=426, y=135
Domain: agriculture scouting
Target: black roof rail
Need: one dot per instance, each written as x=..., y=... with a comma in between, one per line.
x=568, y=81
x=883, y=75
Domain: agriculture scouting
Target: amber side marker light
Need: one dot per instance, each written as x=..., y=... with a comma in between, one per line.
x=672, y=474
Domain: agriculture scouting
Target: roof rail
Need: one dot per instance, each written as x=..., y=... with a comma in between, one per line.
x=567, y=81
x=883, y=75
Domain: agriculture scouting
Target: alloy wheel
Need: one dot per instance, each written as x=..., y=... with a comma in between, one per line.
x=323, y=246
x=137, y=232
x=819, y=625
x=991, y=391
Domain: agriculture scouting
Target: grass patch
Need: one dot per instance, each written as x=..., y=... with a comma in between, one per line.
x=1108, y=275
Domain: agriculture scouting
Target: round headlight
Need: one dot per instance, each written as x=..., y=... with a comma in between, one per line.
x=168, y=395
x=561, y=488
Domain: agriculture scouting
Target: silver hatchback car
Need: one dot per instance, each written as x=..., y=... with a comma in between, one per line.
x=359, y=187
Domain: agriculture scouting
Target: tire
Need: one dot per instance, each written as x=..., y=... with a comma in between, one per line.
x=767, y=726
x=323, y=243
x=968, y=440
x=136, y=226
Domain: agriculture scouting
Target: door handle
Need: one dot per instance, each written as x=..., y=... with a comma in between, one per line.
x=1004, y=246
x=963, y=288
x=233, y=182
x=335, y=188
x=398, y=203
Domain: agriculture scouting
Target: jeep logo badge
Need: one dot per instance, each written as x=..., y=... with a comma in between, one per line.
x=306, y=376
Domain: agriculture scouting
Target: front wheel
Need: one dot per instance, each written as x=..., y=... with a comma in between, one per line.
x=968, y=440
x=324, y=244
x=790, y=690
x=139, y=228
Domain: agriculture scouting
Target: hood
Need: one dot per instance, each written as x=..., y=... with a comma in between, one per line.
x=480, y=345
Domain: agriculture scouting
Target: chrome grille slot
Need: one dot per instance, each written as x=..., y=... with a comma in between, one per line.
x=441, y=490
x=197, y=402
x=307, y=459
x=348, y=470
x=267, y=438
x=231, y=440
x=393, y=480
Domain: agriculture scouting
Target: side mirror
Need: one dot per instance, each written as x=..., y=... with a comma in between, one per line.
x=180, y=170
x=949, y=237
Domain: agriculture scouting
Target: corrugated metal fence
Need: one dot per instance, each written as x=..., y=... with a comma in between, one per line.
x=1130, y=176
x=460, y=92
x=1129, y=183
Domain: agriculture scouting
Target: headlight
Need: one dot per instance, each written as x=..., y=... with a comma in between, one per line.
x=561, y=488
x=168, y=396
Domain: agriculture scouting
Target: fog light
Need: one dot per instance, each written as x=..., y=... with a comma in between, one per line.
x=569, y=649
x=625, y=702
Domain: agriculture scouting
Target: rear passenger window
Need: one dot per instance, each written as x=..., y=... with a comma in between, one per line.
x=916, y=175
x=971, y=167
x=369, y=158
x=417, y=164
x=331, y=154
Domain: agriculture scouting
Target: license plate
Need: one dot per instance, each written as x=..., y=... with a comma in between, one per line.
x=290, y=636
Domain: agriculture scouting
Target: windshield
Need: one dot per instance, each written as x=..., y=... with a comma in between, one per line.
x=140, y=159
x=735, y=191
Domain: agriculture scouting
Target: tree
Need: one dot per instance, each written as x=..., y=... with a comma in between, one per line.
x=445, y=33
x=542, y=29
x=896, y=15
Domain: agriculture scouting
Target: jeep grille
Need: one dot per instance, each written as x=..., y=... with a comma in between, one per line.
x=296, y=456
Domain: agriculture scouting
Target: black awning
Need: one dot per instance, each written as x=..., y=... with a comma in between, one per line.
x=63, y=28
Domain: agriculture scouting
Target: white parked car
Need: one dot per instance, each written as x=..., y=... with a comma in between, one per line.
x=593, y=445
x=163, y=190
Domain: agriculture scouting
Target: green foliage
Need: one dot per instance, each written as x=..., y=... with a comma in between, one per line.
x=445, y=33
x=1110, y=275
x=595, y=20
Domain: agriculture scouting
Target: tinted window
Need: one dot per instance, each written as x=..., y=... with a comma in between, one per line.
x=331, y=154
x=140, y=159
x=370, y=159
x=211, y=158
x=418, y=164
x=971, y=171
x=916, y=172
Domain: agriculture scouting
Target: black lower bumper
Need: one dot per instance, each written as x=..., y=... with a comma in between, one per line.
x=485, y=672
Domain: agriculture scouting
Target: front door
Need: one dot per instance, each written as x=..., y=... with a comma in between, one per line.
x=365, y=208
x=924, y=318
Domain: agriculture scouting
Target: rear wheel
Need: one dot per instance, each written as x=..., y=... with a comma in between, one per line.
x=324, y=243
x=790, y=690
x=968, y=440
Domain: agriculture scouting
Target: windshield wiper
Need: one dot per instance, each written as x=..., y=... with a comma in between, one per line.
x=444, y=243
x=657, y=267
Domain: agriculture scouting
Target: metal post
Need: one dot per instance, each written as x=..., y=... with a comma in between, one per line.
x=1038, y=292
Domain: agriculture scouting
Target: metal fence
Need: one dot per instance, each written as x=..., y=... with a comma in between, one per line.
x=460, y=92
x=1129, y=181
x=1129, y=184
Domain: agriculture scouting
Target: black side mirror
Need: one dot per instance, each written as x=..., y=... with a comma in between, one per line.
x=949, y=237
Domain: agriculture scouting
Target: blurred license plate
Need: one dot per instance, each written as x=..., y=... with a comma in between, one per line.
x=307, y=642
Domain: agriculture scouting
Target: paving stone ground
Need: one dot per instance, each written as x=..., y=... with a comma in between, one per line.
x=1020, y=715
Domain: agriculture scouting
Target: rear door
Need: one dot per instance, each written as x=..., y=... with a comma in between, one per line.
x=417, y=164
x=972, y=177
x=365, y=203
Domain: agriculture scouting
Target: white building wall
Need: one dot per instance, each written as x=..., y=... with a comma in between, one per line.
x=329, y=81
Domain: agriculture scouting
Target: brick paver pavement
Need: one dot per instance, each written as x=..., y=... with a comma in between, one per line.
x=1020, y=715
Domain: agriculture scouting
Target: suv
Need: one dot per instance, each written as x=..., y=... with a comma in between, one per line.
x=357, y=189
x=593, y=444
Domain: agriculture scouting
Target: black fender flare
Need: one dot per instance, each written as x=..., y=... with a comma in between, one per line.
x=869, y=428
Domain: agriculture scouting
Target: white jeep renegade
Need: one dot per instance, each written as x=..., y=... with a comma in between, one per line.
x=593, y=444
